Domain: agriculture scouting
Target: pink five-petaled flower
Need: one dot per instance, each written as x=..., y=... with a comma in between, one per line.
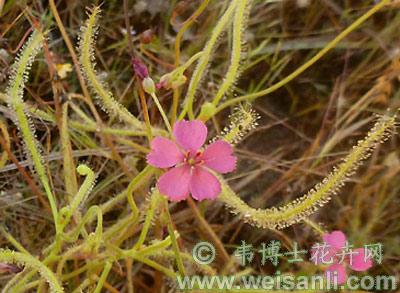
x=189, y=165
x=334, y=249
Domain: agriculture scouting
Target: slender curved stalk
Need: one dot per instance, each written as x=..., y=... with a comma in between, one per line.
x=103, y=277
x=238, y=31
x=204, y=60
x=174, y=242
x=70, y=47
x=9, y=256
x=161, y=110
x=129, y=192
x=155, y=265
x=6, y=136
x=309, y=63
x=15, y=93
x=12, y=240
x=184, y=28
x=83, y=192
x=178, y=39
x=154, y=201
x=71, y=184
x=72, y=236
x=299, y=209
x=86, y=57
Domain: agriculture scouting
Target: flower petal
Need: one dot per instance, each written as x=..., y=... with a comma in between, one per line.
x=191, y=135
x=164, y=153
x=175, y=183
x=204, y=185
x=218, y=156
x=358, y=262
x=336, y=239
x=336, y=272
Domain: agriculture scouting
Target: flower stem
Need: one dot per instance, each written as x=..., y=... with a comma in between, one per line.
x=174, y=243
x=160, y=108
x=309, y=63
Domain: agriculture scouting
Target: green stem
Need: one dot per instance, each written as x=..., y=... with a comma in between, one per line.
x=154, y=201
x=174, y=242
x=87, y=54
x=299, y=209
x=9, y=256
x=161, y=110
x=103, y=277
x=83, y=192
x=310, y=62
x=204, y=60
x=15, y=101
x=12, y=240
x=237, y=42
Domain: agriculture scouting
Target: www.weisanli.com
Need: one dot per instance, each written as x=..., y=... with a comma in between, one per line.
x=285, y=282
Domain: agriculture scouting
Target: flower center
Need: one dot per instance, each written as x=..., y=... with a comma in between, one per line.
x=193, y=159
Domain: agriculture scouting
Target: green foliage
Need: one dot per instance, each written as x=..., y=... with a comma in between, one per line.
x=241, y=15
x=15, y=92
x=21, y=259
x=317, y=197
x=204, y=60
x=86, y=45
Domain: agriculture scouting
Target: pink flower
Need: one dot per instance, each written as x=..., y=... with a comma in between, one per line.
x=189, y=165
x=334, y=252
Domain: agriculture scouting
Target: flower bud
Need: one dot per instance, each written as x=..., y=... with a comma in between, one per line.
x=207, y=111
x=148, y=85
x=147, y=36
x=140, y=68
x=172, y=80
